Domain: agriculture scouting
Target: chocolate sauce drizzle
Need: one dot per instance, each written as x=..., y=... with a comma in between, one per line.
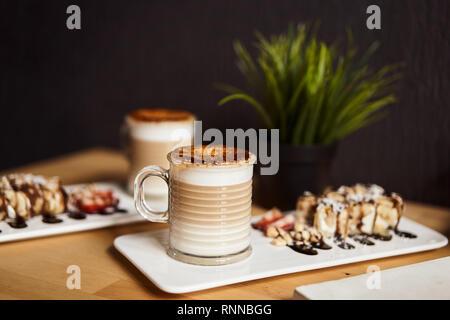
x=77, y=215
x=111, y=210
x=18, y=223
x=309, y=249
x=363, y=239
x=304, y=248
x=51, y=219
x=341, y=243
x=381, y=237
x=321, y=245
x=107, y=211
x=405, y=234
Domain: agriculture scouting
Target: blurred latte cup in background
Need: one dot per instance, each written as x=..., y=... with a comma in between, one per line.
x=148, y=136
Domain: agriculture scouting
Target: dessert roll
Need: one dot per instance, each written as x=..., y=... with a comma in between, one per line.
x=306, y=207
x=362, y=218
x=3, y=199
x=27, y=185
x=399, y=205
x=325, y=220
x=342, y=223
x=389, y=211
x=360, y=192
x=19, y=205
x=354, y=219
x=16, y=203
x=326, y=217
x=373, y=192
x=360, y=209
x=335, y=196
x=3, y=207
x=371, y=211
x=23, y=196
x=54, y=196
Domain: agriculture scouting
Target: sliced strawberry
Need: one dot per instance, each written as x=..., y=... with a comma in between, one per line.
x=286, y=223
x=269, y=217
x=90, y=208
x=91, y=200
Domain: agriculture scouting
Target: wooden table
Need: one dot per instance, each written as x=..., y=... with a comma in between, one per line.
x=36, y=269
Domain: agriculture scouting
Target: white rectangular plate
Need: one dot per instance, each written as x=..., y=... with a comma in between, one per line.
x=36, y=228
x=427, y=280
x=147, y=251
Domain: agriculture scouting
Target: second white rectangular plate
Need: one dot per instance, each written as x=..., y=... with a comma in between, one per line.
x=36, y=228
x=147, y=251
x=429, y=280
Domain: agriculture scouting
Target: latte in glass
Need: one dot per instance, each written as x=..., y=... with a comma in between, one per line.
x=209, y=205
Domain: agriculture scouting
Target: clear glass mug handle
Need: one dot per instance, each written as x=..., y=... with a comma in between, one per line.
x=139, y=198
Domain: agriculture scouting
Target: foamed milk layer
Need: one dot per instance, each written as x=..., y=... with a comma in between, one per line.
x=213, y=176
x=161, y=131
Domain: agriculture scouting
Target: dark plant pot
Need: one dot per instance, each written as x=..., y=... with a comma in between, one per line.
x=302, y=168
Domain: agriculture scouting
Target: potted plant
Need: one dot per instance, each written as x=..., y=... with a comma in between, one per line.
x=315, y=96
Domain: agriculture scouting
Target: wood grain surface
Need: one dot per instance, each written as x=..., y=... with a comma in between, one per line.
x=36, y=269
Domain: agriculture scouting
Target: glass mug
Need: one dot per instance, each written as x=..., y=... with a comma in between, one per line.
x=210, y=197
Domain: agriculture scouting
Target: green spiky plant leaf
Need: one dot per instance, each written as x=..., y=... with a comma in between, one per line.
x=304, y=87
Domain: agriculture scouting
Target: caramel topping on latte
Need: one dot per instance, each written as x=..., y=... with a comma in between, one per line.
x=213, y=155
x=159, y=115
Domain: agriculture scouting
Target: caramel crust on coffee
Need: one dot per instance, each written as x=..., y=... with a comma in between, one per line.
x=160, y=115
x=211, y=155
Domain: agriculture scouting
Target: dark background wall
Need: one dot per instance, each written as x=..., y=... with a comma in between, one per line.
x=64, y=90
